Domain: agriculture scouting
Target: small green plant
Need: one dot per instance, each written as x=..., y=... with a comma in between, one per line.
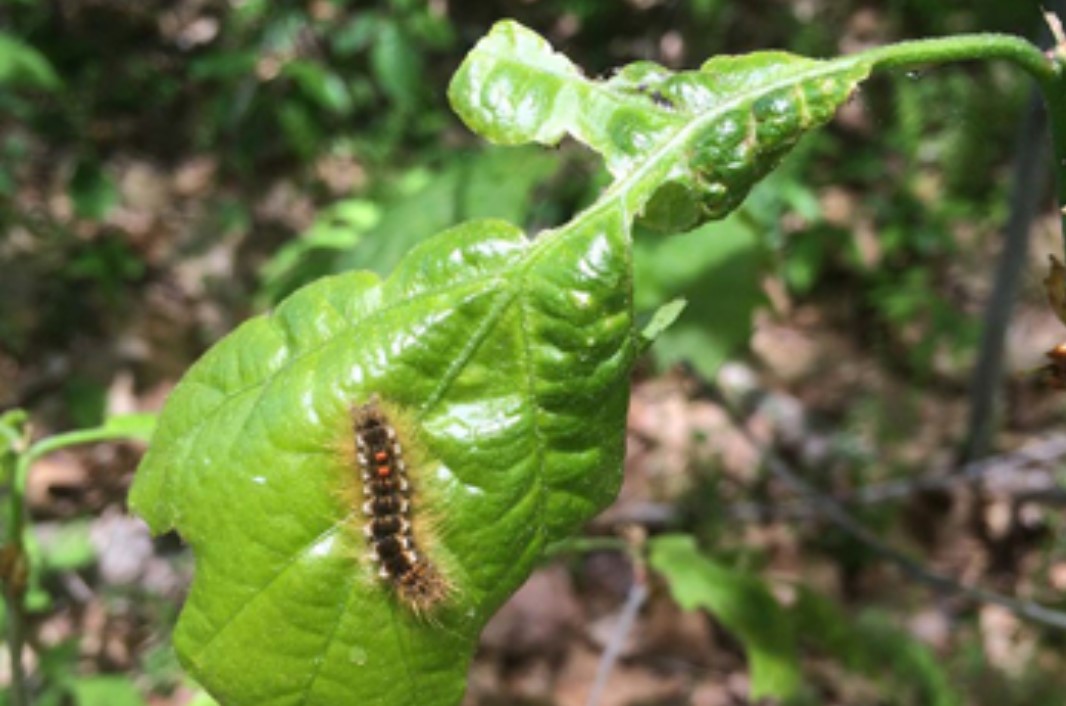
x=23, y=565
x=505, y=361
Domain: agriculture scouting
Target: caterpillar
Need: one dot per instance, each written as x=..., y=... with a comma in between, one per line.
x=387, y=509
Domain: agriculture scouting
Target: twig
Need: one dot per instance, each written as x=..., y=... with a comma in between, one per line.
x=836, y=513
x=1030, y=175
x=999, y=472
x=638, y=593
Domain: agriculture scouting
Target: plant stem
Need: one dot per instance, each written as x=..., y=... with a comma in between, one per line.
x=1049, y=70
x=967, y=47
x=13, y=460
x=17, y=455
x=1030, y=180
x=16, y=638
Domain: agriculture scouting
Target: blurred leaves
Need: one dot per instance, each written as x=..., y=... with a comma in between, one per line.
x=63, y=686
x=741, y=603
x=498, y=183
x=716, y=270
x=92, y=191
x=337, y=229
x=68, y=547
x=397, y=65
x=22, y=66
x=872, y=645
x=106, y=691
x=361, y=233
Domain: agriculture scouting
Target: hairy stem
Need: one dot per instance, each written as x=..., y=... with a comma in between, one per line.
x=1030, y=174
x=1048, y=69
x=967, y=47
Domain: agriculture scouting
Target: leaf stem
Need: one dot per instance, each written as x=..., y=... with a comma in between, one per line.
x=1048, y=69
x=966, y=47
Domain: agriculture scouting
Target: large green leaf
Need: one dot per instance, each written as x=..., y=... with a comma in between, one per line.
x=503, y=360
x=510, y=360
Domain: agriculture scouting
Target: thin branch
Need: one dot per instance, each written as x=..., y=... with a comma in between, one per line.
x=638, y=593
x=836, y=513
x=1006, y=473
x=14, y=556
x=1055, y=94
x=634, y=600
x=1030, y=177
x=1049, y=70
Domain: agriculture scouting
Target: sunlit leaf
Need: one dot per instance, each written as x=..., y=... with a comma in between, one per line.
x=503, y=361
x=510, y=361
x=685, y=147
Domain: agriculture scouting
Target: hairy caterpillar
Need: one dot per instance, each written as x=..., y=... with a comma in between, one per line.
x=387, y=509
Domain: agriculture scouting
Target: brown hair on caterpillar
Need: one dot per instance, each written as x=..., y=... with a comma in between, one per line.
x=387, y=509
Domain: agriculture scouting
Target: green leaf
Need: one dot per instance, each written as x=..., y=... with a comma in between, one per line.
x=507, y=360
x=503, y=363
x=337, y=228
x=106, y=691
x=740, y=602
x=223, y=65
x=496, y=184
x=93, y=192
x=397, y=64
x=871, y=645
x=716, y=269
x=355, y=34
x=12, y=430
x=662, y=319
x=684, y=147
x=67, y=548
x=22, y=65
x=202, y=698
x=301, y=129
x=321, y=85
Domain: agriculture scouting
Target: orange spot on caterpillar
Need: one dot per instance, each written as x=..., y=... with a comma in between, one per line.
x=388, y=511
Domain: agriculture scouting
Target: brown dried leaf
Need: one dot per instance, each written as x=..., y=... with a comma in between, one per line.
x=1055, y=286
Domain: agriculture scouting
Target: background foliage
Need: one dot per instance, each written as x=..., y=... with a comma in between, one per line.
x=167, y=169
